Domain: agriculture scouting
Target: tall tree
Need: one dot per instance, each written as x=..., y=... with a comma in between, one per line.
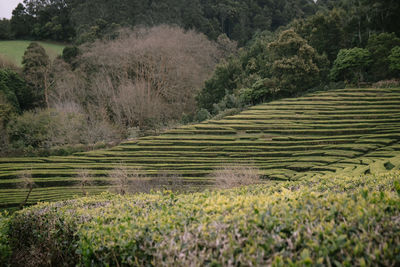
x=5, y=30
x=350, y=65
x=21, y=22
x=324, y=31
x=296, y=65
x=380, y=47
x=394, y=59
x=36, y=66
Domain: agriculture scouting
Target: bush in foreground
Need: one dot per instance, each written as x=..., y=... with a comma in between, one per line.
x=330, y=221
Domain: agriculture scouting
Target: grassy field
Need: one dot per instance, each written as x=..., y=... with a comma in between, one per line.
x=330, y=220
x=346, y=131
x=14, y=50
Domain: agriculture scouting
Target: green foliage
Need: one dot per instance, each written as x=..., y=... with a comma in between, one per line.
x=6, y=110
x=70, y=53
x=15, y=90
x=350, y=65
x=5, y=29
x=394, y=59
x=224, y=80
x=35, y=69
x=5, y=250
x=44, y=129
x=21, y=22
x=346, y=220
x=100, y=30
x=202, y=115
x=324, y=31
x=31, y=130
x=49, y=19
x=237, y=77
x=239, y=20
x=269, y=68
x=380, y=47
x=295, y=64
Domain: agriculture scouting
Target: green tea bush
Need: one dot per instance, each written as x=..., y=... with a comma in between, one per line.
x=5, y=250
x=331, y=221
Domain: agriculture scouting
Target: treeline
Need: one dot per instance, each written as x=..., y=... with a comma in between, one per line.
x=346, y=43
x=81, y=21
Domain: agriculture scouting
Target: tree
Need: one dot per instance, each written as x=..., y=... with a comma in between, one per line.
x=5, y=30
x=295, y=65
x=324, y=31
x=15, y=90
x=36, y=69
x=224, y=81
x=394, y=60
x=380, y=47
x=21, y=22
x=51, y=19
x=239, y=71
x=350, y=65
x=145, y=78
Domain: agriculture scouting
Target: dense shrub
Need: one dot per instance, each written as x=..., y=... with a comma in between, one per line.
x=394, y=59
x=350, y=65
x=380, y=46
x=268, y=68
x=54, y=132
x=5, y=250
x=15, y=90
x=36, y=69
x=350, y=221
x=296, y=66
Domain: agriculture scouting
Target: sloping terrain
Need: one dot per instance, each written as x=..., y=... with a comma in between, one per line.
x=345, y=130
x=14, y=50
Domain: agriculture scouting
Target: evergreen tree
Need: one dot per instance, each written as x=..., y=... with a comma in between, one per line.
x=36, y=64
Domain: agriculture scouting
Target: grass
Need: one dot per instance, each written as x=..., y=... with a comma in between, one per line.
x=328, y=220
x=342, y=131
x=14, y=50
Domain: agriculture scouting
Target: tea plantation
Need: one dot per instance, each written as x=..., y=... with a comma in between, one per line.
x=346, y=131
x=330, y=220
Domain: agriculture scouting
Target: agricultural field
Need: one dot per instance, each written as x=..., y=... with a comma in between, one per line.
x=346, y=131
x=330, y=220
x=14, y=50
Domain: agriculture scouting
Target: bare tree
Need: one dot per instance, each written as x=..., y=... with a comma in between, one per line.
x=148, y=76
x=26, y=183
x=85, y=180
x=235, y=175
x=126, y=180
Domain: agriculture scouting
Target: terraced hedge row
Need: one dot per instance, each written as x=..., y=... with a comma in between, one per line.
x=331, y=220
x=322, y=132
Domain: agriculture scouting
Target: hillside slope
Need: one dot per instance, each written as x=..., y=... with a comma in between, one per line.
x=343, y=130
